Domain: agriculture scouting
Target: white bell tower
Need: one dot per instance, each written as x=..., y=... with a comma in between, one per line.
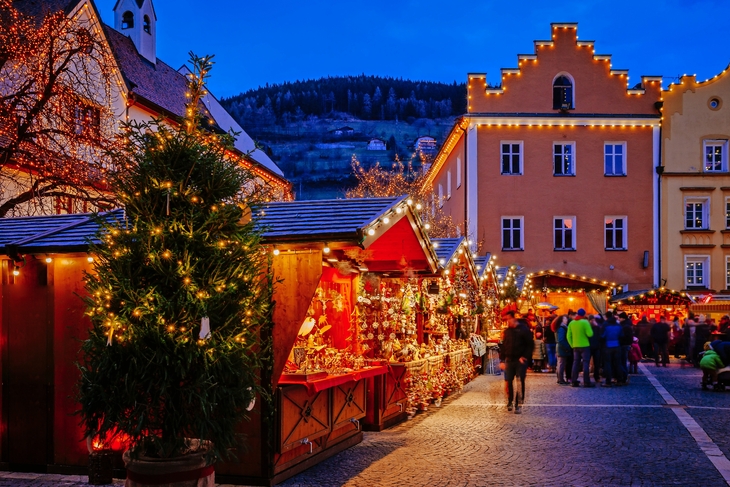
x=137, y=20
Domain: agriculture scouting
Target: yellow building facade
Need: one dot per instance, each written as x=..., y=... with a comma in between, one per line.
x=695, y=186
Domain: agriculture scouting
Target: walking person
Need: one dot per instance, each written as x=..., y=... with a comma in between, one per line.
x=579, y=333
x=611, y=335
x=660, y=338
x=514, y=355
x=563, y=349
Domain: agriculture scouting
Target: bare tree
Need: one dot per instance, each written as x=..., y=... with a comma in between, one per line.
x=57, y=92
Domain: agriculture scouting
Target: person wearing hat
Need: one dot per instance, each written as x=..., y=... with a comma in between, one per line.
x=579, y=334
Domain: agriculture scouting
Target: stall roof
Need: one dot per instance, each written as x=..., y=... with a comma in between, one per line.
x=519, y=277
x=652, y=297
x=446, y=248
x=481, y=262
x=333, y=220
x=56, y=233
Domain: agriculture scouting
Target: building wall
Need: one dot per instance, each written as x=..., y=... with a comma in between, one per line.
x=689, y=121
x=538, y=196
x=454, y=206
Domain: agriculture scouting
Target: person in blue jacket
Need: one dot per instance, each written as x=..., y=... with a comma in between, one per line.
x=612, y=334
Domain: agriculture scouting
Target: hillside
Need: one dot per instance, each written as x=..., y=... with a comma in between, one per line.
x=297, y=123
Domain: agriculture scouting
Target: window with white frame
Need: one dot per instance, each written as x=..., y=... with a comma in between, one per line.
x=696, y=271
x=696, y=214
x=564, y=159
x=511, y=157
x=441, y=195
x=512, y=232
x=458, y=172
x=727, y=213
x=448, y=184
x=715, y=155
x=614, y=157
x=727, y=272
x=564, y=232
x=615, y=231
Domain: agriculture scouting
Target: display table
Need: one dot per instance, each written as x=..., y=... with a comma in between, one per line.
x=330, y=381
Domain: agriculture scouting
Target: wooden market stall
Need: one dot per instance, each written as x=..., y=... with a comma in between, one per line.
x=652, y=304
x=326, y=378
x=570, y=291
x=43, y=321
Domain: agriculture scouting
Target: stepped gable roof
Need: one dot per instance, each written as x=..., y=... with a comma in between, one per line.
x=446, y=248
x=56, y=233
x=317, y=220
x=157, y=83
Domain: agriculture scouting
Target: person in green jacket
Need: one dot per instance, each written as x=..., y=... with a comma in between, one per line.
x=579, y=331
x=710, y=364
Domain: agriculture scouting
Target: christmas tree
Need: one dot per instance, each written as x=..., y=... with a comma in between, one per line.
x=180, y=298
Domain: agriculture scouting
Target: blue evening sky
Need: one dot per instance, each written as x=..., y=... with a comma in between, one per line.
x=260, y=41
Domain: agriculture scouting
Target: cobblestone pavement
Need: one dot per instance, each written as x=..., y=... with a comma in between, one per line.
x=622, y=436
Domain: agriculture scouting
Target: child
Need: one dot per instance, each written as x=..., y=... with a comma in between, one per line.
x=634, y=357
x=538, y=354
x=710, y=364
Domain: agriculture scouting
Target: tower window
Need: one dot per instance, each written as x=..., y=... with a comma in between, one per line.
x=146, y=24
x=562, y=93
x=127, y=20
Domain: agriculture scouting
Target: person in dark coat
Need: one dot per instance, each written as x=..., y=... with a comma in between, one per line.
x=514, y=355
x=660, y=340
x=625, y=342
x=596, y=346
x=611, y=336
x=550, y=345
x=563, y=349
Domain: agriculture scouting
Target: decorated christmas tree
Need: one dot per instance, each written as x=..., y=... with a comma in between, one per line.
x=180, y=300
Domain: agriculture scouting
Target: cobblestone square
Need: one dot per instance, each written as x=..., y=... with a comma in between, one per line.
x=622, y=436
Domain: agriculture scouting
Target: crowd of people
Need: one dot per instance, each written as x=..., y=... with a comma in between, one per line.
x=606, y=346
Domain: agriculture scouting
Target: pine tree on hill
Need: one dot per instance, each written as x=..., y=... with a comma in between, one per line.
x=359, y=96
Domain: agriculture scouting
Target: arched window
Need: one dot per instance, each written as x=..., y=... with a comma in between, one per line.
x=562, y=93
x=127, y=20
x=146, y=25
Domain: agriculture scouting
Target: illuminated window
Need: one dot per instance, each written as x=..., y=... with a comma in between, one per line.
x=614, y=157
x=696, y=214
x=727, y=272
x=715, y=154
x=564, y=159
x=441, y=195
x=86, y=121
x=727, y=213
x=615, y=227
x=563, y=93
x=458, y=172
x=511, y=157
x=512, y=238
x=696, y=271
x=564, y=232
x=127, y=20
x=146, y=25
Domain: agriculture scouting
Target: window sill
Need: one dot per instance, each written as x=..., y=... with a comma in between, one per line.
x=615, y=175
x=563, y=250
x=512, y=250
x=616, y=250
x=698, y=246
x=564, y=175
x=698, y=230
x=510, y=174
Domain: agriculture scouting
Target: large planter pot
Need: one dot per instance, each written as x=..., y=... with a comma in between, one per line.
x=191, y=470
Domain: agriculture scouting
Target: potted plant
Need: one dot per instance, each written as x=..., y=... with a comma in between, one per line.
x=179, y=301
